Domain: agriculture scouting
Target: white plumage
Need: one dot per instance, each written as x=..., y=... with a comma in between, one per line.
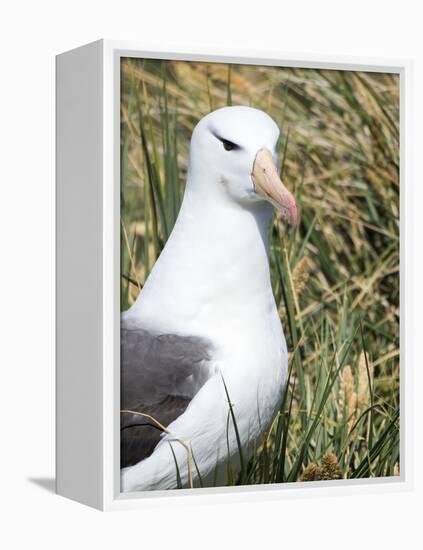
x=212, y=283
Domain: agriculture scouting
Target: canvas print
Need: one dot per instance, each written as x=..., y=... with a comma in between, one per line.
x=259, y=275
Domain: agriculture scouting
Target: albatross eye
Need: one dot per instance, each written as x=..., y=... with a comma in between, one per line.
x=229, y=145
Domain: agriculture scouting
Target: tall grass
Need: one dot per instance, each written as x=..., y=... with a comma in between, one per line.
x=335, y=277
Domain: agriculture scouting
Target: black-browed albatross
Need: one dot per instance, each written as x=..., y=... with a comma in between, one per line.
x=207, y=314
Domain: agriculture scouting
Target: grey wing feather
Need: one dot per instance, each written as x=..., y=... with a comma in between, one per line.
x=160, y=374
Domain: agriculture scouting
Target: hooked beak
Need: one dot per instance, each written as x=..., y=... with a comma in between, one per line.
x=268, y=184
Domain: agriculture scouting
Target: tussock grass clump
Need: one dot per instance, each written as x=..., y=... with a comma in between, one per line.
x=328, y=469
x=335, y=277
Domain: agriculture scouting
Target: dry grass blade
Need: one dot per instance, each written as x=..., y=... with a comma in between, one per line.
x=181, y=441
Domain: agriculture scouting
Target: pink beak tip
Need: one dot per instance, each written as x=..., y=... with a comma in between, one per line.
x=295, y=215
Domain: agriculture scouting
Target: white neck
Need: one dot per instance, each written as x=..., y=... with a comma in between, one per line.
x=215, y=265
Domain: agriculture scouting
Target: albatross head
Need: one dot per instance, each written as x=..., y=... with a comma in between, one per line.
x=237, y=148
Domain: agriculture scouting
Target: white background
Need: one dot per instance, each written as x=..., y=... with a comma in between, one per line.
x=31, y=33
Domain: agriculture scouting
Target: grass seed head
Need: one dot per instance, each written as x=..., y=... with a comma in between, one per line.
x=310, y=472
x=300, y=275
x=363, y=389
x=329, y=467
x=347, y=395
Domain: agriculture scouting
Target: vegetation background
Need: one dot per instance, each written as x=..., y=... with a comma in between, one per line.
x=339, y=301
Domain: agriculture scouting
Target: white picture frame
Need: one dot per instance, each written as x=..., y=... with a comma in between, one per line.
x=88, y=341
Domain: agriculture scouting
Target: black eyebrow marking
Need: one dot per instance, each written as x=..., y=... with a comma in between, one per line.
x=227, y=144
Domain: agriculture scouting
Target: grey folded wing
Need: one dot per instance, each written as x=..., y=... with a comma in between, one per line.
x=160, y=374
